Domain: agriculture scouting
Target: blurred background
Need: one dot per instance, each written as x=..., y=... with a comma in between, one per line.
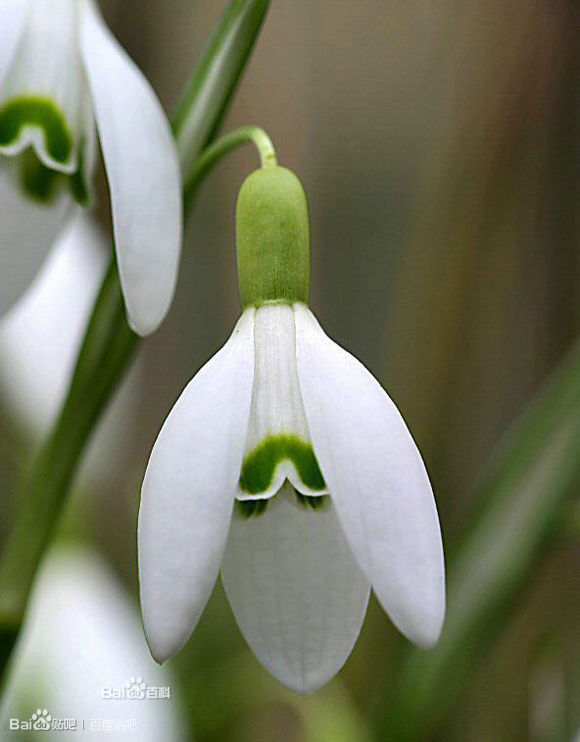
x=438, y=144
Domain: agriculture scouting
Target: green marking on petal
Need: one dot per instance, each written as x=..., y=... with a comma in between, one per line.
x=43, y=113
x=38, y=182
x=42, y=184
x=77, y=184
x=316, y=502
x=251, y=508
x=260, y=464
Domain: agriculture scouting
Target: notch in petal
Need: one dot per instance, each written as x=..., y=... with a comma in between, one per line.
x=189, y=491
x=143, y=172
x=377, y=480
x=297, y=592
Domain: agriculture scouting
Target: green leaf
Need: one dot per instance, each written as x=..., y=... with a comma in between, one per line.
x=520, y=510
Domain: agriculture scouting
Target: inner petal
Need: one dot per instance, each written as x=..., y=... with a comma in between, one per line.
x=41, y=98
x=278, y=445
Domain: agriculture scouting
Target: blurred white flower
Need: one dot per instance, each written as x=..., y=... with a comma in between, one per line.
x=280, y=403
x=81, y=644
x=41, y=335
x=60, y=71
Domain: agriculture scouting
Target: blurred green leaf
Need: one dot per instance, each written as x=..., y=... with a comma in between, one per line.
x=520, y=508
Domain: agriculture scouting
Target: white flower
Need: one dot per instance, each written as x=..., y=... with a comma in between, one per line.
x=60, y=70
x=81, y=638
x=333, y=497
x=40, y=337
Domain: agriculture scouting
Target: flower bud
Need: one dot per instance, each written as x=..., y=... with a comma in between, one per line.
x=273, y=238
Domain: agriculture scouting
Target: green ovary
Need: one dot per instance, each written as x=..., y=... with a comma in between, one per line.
x=32, y=111
x=260, y=465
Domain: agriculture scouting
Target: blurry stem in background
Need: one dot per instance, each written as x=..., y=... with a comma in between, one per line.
x=109, y=344
x=521, y=508
x=201, y=111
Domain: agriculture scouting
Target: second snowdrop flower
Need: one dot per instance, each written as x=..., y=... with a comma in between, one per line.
x=61, y=70
x=286, y=464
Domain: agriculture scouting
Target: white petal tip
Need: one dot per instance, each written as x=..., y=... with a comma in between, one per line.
x=427, y=639
x=143, y=327
x=424, y=631
x=304, y=684
x=163, y=647
x=158, y=659
x=144, y=317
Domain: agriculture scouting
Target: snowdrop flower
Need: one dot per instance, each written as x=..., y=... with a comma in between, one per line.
x=82, y=644
x=60, y=71
x=289, y=434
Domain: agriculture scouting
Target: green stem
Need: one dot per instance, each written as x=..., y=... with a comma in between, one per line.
x=212, y=154
x=107, y=350
x=201, y=112
x=108, y=347
x=109, y=344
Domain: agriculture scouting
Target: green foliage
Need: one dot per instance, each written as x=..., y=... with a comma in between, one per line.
x=520, y=508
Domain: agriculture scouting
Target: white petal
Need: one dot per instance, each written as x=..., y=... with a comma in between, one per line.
x=82, y=635
x=377, y=480
x=189, y=490
x=27, y=232
x=297, y=592
x=143, y=173
x=13, y=14
x=47, y=66
x=40, y=336
x=277, y=411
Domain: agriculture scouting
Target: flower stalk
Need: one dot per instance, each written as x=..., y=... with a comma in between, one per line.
x=110, y=344
x=212, y=154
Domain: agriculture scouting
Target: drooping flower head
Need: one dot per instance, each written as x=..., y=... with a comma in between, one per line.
x=286, y=464
x=62, y=72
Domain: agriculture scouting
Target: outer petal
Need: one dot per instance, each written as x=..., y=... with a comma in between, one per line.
x=12, y=17
x=377, y=480
x=189, y=490
x=297, y=592
x=27, y=231
x=143, y=172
